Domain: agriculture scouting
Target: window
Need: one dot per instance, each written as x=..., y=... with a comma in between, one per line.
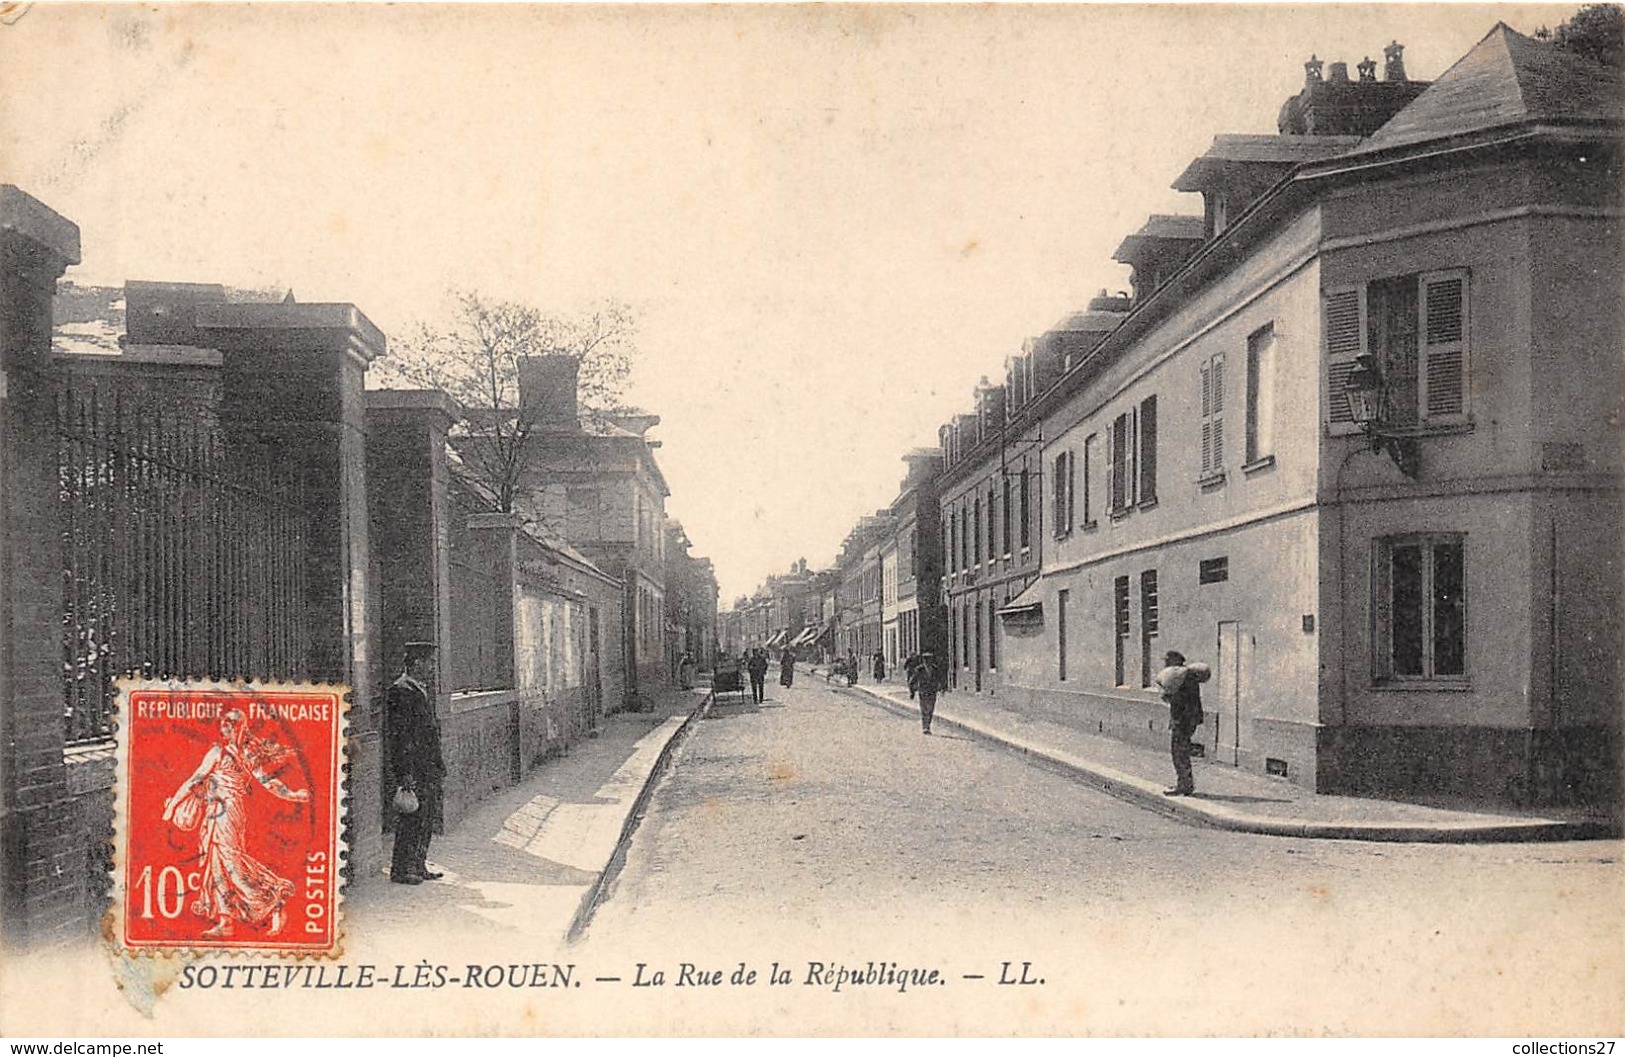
x=1026, y=511
x=1120, y=626
x=1213, y=570
x=992, y=634
x=1148, y=450
x=1004, y=518
x=978, y=640
x=1261, y=394
x=1415, y=328
x=976, y=534
x=1091, y=454
x=1062, y=597
x=1421, y=608
x=1213, y=416
x=992, y=528
x=951, y=542
x=964, y=538
x=1120, y=444
x=1148, y=623
x=1063, y=494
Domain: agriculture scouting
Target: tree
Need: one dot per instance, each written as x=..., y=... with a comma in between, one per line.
x=1596, y=32
x=475, y=358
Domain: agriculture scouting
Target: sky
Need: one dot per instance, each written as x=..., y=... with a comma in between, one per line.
x=831, y=222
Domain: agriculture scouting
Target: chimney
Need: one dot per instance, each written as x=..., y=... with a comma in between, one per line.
x=1340, y=73
x=1394, y=68
x=1311, y=70
x=547, y=386
x=1368, y=70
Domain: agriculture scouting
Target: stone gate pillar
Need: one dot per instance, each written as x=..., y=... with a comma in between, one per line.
x=293, y=391
x=43, y=864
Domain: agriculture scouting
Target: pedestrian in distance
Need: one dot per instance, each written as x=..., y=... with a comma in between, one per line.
x=415, y=759
x=787, y=667
x=925, y=680
x=880, y=667
x=1180, y=686
x=757, y=667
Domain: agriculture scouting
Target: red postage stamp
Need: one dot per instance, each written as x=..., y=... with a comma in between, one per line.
x=229, y=805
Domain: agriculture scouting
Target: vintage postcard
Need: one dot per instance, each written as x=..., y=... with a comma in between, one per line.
x=811, y=519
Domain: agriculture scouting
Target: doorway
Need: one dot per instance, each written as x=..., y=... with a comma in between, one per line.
x=1228, y=671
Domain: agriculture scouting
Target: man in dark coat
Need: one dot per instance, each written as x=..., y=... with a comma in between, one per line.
x=757, y=667
x=787, y=667
x=1180, y=688
x=925, y=681
x=416, y=762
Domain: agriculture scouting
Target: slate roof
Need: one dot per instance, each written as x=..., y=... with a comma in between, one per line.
x=1090, y=322
x=1282, y=151
x=1506, y=79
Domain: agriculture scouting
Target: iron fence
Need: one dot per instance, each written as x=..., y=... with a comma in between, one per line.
x=175, y=563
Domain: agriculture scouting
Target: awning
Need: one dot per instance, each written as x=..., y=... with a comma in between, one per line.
x=778, y=637
x=805, y=636
x=1025, y=608
x=828, y=632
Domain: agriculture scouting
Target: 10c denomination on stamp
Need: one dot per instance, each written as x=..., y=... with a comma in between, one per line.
x=228, y=813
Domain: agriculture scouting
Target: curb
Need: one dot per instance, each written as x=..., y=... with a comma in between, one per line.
x=597, y=891
x=1149, y=796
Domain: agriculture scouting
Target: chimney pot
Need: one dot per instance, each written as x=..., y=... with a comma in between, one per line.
x=1368, y=69
x=1394, y=67
x=547, y=386
x=1311, y=70
x=1339, y=73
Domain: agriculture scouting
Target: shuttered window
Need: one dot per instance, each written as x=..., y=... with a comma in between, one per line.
x=1148, y=450
x=1444, y=345
x=1212, y=382
x=1415, y=328
x=1120, y=444
x=1062, y=489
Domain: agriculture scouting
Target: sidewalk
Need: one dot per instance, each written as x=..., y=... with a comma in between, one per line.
x=531, y=859
x=1228, y=798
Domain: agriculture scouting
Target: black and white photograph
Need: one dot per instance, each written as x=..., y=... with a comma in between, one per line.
x=792, y=520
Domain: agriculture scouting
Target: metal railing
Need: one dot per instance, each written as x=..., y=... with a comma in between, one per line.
x=174, y=563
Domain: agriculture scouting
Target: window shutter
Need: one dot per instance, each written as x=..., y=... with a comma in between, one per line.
x=1148, y=449
x=1216, y=383
x=1444, y=345
x=1131, y=451
x=1059, y=489
x=1345, y=339
x=1071, y=490
x=1207, y=412
x=1111, y=469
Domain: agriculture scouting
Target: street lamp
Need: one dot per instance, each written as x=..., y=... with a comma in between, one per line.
x=1367, y=392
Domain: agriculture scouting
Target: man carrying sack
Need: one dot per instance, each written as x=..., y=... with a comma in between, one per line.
x=1180, y=686
x=415, y=759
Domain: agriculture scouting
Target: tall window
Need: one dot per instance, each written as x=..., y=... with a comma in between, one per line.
x=1026, y=511
x=1148, y=450
x=1062, y=597
x=976, y=534
x=951, y=541
x=977, y=614
x=1091, y=457
x=1063, y=492
x=1416, y=328
x=992, y=527
x=1421, y=607
x=1148, y=624
x=992, y=634
x=1212, y=373
x=964, y=538
x=1120, y=442
x=1120, y=628
x=1261, y=393
x=1004, y=519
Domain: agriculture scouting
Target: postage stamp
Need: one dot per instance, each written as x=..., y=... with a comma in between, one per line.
x=227, y=832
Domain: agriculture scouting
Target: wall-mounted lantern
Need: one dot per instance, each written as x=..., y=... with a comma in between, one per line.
x=1367, y=392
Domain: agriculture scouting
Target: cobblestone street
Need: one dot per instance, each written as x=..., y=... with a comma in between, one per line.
x=822, y=828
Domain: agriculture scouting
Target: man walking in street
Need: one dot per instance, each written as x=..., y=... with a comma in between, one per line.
x=925, y=680
x=1179, y=685
x=416, y=762
x=757, y=667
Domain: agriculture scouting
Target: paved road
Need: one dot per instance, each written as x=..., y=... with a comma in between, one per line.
x=821, y=828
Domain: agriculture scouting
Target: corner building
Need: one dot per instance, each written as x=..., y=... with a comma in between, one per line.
x=1420, y=602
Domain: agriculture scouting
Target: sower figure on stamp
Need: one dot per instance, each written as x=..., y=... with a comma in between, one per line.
x=1179, y=685
x=414, y=755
